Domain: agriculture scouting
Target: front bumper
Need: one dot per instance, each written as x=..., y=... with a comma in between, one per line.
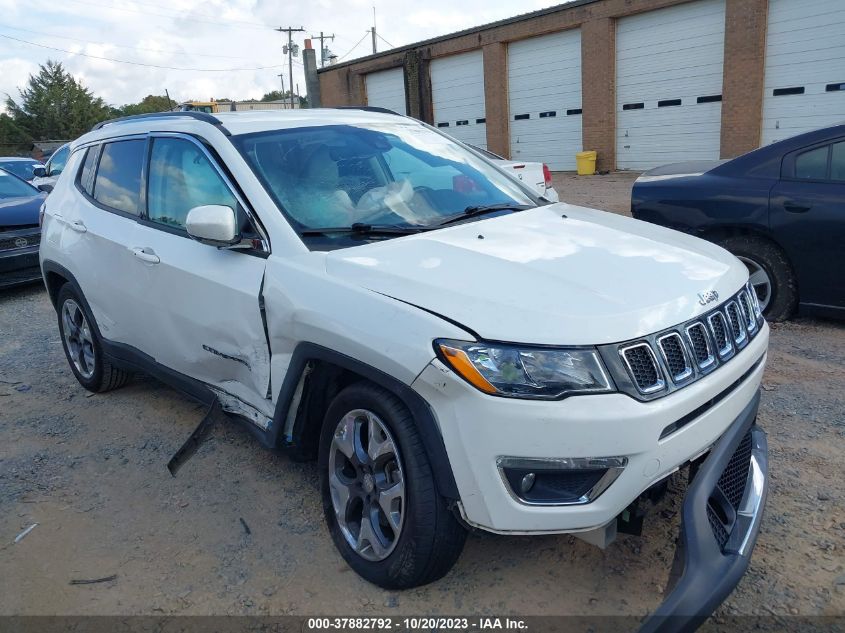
x=19, y=266
x=712, y=559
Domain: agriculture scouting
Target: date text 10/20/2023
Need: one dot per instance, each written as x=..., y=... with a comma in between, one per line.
x=481, y=623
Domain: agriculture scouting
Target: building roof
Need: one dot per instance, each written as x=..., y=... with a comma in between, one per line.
x=475, y=29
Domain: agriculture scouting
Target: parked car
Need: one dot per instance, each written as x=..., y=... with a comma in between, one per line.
x=21, y=167
x=779, y=209
x=20, y=234
x=535, y=175
x=468, y=355
x=46, y=177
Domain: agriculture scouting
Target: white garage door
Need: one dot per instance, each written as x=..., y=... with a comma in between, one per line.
x=805, y=67
x=544, y=81
x=386, y=89
x=669, y=85
x=457, y=94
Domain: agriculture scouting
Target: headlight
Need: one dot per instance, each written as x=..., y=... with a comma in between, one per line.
x=524, y=371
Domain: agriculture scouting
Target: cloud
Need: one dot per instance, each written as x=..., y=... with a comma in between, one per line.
x=218, y=34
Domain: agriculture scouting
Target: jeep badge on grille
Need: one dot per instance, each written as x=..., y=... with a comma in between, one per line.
x=708, y=297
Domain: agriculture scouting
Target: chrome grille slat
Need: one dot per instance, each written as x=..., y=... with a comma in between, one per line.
x=643, y=367
x=675, y=356
x=747, y=309
x=719, y=330
x=699, y=344
x=736, y=323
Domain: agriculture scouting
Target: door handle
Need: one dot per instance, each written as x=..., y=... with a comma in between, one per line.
x=793, y=207
x=146, y=255
x=78, y=226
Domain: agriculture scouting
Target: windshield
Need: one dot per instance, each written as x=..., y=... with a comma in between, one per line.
x=21, y=168
x=400, y=174
x=11, y=187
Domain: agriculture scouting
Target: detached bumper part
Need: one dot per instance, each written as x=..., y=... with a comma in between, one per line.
x=720, y=523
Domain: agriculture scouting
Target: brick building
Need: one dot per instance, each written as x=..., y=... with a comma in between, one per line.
x=643, y=82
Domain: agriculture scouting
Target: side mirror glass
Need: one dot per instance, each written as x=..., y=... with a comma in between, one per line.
x=39, y=172
x=45, y=187
x=213, y=224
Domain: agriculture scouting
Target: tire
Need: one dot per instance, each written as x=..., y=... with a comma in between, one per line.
x=82, y=347
x=758, y=253
x=429, y=538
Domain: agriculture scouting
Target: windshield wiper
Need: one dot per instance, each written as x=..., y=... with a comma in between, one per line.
x=474, y=211
x=359, y=228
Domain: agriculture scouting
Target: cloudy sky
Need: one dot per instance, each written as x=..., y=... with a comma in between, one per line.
x=193, y=36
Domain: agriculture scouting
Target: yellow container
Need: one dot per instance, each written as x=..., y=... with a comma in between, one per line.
x=586, y=163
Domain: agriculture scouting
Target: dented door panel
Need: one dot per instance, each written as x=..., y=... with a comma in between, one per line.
x=201, y=308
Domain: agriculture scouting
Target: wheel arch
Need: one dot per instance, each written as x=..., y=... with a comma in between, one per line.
x=315, y=375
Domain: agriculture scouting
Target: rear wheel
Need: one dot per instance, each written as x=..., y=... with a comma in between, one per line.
x=770, y=274
x=381, y=504
x=82, y=345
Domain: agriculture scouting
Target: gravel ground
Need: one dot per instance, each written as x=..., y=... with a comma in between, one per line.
x=90, y=471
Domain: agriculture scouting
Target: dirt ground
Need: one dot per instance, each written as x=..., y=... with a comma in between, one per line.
x=240, y=530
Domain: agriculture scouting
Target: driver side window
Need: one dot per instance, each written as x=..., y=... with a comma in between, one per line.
x=181, y=177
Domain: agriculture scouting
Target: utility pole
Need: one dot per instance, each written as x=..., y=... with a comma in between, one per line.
x=290, y=50
x=323, y=46
x=373, y=31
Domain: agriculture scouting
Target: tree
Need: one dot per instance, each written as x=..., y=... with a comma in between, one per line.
x=54, y=105
x=278, y=95
x=150, y=103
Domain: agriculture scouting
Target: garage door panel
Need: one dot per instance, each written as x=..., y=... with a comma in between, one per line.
x=805, y=48
x=544, y=75
x=669, y=54
x=386, y=89
x=457, y=93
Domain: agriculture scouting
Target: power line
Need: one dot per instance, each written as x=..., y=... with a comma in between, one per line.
x=252, y=25
x=124, y=61
x=354, y=47
x=131, y=48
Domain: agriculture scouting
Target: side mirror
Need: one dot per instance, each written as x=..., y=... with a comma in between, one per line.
x=46, y=188
x=39, y=172
x=213, y=224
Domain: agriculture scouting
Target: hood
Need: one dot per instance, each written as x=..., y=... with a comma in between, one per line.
x=16, y=212
x=680, y=170
x=535, y=277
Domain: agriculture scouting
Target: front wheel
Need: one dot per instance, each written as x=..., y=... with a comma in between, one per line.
x=381, y=504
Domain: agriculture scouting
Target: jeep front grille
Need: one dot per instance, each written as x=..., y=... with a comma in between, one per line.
x=660, y=363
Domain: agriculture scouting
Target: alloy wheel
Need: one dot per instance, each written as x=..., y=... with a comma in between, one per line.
x=78, y=339
x=760, y=281
x=367, y=484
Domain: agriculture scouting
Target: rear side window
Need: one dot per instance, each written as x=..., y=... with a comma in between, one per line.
x=837, y=161
x=86, y=174
x=118, y=181
x=181, y=177
x=812, y=165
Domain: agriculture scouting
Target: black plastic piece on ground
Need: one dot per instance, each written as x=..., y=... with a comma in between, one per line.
x=192, y=444
x=706, y=572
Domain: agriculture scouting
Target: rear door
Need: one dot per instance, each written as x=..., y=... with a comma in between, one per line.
x=807, y=215
x=202, y=304
x=96, y=228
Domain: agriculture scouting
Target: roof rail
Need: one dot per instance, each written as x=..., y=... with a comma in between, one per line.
x=368, y=109
x=190, y=114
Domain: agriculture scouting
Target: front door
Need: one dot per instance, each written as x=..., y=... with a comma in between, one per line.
x=807, y=216
x=202, y=303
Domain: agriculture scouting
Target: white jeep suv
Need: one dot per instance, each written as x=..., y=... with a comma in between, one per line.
x=456, y=351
